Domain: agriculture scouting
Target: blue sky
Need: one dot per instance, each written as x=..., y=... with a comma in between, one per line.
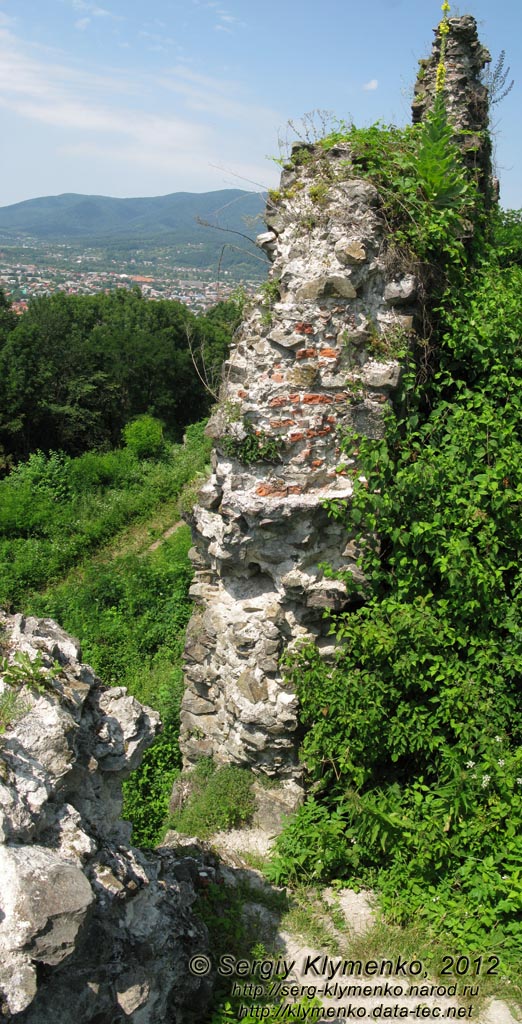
x=147, y=97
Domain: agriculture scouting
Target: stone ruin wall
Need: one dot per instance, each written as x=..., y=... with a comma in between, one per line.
x=302, y=371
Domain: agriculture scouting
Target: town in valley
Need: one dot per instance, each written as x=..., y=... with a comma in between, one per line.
x=35, y=268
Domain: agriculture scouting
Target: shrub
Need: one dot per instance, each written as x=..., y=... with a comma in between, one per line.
x=255, y=446
x=54, y=510
x=144, y=437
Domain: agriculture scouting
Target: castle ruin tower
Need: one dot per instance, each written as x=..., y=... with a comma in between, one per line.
x=314, y=359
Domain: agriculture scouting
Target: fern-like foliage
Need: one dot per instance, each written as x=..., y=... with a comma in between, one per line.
x=439, y=163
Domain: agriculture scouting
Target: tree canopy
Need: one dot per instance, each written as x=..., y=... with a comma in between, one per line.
x=75, y=369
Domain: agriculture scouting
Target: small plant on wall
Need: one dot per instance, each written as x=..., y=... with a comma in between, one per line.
x=254, y=446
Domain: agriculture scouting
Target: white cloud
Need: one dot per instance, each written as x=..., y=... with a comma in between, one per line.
x=94, y=11
x=371, y=85
x=82, y=23
x=214, y=96
x=180, y=122
x=47, y=80
x=157, y=40
x=225, y=20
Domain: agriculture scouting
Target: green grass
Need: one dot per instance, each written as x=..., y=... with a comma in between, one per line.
x=130, y=615
x=56, y=511
x=220, y=799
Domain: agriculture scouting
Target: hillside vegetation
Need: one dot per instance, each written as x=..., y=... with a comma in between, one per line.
x=179, y=221
x=412, y=736
x=76, y=545
x=92, y=476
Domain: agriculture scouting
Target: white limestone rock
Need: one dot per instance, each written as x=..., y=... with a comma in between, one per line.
x=89, y=928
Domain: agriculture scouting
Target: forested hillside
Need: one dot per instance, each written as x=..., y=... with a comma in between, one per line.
x=183, y=223
x=158, y=218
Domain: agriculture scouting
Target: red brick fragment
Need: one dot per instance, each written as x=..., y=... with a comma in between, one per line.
x=242, y=394
x=318, y=433
x=277, y=377
x=316, y=463
x=266, y=490
x=273, y=491
x=331, y=419
x=317, y=399
x=329, y=353
x=276, y=402
x=305, y=353
x=296, y=437
x=282, y=423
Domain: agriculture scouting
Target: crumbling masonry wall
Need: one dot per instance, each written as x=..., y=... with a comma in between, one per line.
x=313, y=360
x=304, y=370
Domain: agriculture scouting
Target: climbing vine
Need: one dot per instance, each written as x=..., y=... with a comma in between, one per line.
x=412, y=734
x=412, y=743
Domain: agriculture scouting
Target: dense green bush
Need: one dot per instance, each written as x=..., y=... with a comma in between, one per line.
x=144, y=437
x=508, y=237
x=413, y=733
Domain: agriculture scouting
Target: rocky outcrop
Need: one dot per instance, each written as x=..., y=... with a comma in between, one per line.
x=314, y=361
x=91, y=930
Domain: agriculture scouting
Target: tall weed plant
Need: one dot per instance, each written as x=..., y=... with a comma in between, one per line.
x=429, y=202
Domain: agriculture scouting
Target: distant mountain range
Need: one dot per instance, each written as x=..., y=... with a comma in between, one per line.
x=123, y=223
